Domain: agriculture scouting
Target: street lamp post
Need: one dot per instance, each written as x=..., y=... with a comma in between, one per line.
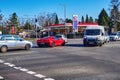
x=35, y=25
x=64, y=6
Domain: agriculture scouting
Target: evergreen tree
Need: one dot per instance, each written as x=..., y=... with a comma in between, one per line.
x=96, y=20
x=56, y=20
x=0, y=28
x=68, y=20
x=0, y=21
x=118, y=26
x=27, y=26
x=87, y=19
x=1, y=15
x=103, y=18
x=91, y=19
x=82, y=20
x=13, y=21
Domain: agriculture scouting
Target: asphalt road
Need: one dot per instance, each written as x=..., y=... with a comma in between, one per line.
x=69, y=62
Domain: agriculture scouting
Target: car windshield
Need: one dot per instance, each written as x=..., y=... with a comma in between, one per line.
x=58, y=36
x=92, y=32
x=114, y=34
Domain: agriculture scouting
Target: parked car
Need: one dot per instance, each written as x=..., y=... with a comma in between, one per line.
x=62, y=36
x=13, y=42
x=50, y=41
x=113, y=37
x=118, y=33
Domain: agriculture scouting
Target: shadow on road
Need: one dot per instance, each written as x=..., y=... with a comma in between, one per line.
x=66, y=45
x=75, y=45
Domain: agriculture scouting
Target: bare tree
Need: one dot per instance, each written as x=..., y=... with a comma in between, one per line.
x=114, y=13
x=1, y=16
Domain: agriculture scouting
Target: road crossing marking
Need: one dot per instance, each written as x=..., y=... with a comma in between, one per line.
x=11, y=65
x=24, y=70
x=1, y=78
x=17, y=67
x=40, y=76
x=1, y=61
x=49, y=79
x=31, y=72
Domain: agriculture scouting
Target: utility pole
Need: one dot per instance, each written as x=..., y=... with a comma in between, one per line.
x=35, y=26
x=64, y=6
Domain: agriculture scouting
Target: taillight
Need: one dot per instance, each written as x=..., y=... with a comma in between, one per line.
x=38, y=40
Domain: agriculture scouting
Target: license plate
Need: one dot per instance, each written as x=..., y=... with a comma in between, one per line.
x=91, y=42
x=42, y=43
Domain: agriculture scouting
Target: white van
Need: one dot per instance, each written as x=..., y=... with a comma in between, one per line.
x=94, y=35
x=0, y=34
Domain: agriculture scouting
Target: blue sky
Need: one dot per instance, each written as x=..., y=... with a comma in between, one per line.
x=36, y=7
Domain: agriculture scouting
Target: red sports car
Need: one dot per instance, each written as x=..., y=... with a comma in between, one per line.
x=50, y=41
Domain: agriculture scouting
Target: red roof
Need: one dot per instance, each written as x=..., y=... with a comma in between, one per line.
x=79, y=24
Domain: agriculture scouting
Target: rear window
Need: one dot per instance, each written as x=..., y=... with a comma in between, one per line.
x=113, y=33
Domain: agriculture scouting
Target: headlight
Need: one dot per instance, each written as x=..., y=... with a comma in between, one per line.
x=98, y=38
x=85, y=37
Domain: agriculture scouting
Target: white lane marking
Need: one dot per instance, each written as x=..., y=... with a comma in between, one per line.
x=49, y=79
x=24, y=69
x=40, y=76
x=11, y=65
x=17, y=67
x=1, y=78
x=1, y=61
x=31, y=72
x=7, y=63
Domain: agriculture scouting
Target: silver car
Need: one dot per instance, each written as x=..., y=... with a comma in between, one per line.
x=13, y=42
x=62, y=36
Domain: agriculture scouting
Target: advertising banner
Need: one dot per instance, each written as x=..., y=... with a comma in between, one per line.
x=13, y=30
x=75, y=23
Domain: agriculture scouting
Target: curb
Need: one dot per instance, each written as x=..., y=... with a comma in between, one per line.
x=1, y=78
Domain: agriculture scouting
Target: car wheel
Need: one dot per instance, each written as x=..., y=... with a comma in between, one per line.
x=4, y=49
x=100, y=44
x=53, y=44
x=27, y=47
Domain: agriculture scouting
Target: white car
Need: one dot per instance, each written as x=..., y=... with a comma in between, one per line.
x=118, y=33
x=62, y=36
x=113, y=37
x=13, y=42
